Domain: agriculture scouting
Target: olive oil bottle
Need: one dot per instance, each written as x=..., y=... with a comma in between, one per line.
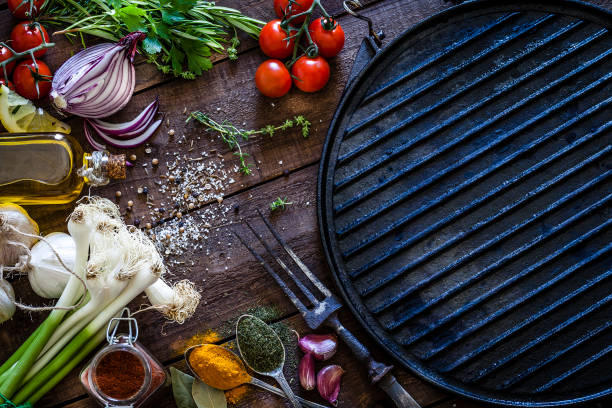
x=51, y=168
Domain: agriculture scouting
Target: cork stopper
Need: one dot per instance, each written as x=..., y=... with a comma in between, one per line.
x=116, y=166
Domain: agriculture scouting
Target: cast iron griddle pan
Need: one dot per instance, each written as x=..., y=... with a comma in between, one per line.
x=464, y=201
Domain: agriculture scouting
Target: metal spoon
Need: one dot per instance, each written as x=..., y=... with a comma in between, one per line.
x=254, y=381
x=277, y=373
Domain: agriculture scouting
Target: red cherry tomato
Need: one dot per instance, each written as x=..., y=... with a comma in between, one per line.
x=273, y=40
x=310, y=74
x=272, y=78
x=28, y=35
x=299, y=6
x=328, y=35
x=21, y=8
x=32, y=79
x=5, y=54
x=8, y=84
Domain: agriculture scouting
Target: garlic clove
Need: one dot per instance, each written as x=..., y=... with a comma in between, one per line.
x=7, y=300
x=306, y=372
x=321, y=346
x=328, y=383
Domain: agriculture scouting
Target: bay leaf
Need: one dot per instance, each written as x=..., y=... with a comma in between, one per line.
x=181, y=389
x=206, y=396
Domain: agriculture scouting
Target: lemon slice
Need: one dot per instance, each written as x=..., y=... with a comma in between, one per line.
x=19, y=115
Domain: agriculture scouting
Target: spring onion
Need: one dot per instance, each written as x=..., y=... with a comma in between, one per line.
x=118, y=263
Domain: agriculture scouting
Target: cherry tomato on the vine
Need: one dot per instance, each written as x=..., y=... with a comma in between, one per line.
x=273, y=40
x=328, y=35
x=5, y=54
x=21, y=8
x=272, y=78
x=8, y=84
x=32, y=79
x=310, y=74
x=297, y=7
x=27, y=35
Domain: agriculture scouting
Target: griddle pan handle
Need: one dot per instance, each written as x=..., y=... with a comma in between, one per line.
x=370, y=46
x=376, y=37
x=379, y=373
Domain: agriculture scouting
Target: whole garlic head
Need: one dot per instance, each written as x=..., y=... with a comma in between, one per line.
x=46, y=274
x=14, y=217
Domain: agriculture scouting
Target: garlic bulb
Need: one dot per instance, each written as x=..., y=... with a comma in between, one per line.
x=13, y=220
x=47, y=276
x=7, y=300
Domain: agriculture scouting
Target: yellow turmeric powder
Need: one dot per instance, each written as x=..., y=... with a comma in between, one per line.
x=235, y=395
x=218, y=367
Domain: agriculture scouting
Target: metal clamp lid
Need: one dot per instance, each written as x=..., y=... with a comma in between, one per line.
x=111, y=330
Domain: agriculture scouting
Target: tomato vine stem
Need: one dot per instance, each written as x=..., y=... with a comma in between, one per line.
x=311, y=50
x=18, y=55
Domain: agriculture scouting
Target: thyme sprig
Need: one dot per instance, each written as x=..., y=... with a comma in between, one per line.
x=232, y=135
x=279, y=204
x=181, y=34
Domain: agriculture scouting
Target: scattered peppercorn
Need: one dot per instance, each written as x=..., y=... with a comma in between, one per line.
x=286, y=173
x=130, y=203
x=133, y=157
x=171, y=132
x=179, y=214
x=117, y=193
x=191, y=206
x=148, y=225
x=155, y=162
x=181, y=230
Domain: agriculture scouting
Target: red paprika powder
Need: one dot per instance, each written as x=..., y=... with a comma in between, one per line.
x=120, y=375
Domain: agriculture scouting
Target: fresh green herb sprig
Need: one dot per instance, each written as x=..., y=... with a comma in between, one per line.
x=279, y=204
x=232, y=135
x=181, y=34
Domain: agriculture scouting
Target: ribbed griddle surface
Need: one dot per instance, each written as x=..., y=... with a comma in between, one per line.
x=465, y=199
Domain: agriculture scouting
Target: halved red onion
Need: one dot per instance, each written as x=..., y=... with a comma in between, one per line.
x=98, y=81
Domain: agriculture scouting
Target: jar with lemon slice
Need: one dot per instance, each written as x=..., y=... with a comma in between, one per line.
x=40, y=163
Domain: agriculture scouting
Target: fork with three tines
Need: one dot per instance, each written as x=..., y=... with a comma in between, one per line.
x=323, y=312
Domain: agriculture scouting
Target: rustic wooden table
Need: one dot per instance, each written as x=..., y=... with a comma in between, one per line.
x=286, y=165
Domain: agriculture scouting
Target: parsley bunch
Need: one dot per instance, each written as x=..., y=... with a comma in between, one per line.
x=181, y=34
x=231, y=135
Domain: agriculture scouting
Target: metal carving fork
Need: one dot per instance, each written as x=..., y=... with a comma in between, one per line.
x=325, y=312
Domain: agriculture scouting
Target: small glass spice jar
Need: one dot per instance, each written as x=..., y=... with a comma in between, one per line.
x=124, y=373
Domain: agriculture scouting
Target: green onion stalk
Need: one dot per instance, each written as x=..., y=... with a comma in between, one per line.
x=118, y=263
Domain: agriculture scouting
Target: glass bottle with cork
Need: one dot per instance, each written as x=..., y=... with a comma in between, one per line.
x=51, y=168
x=124, y=373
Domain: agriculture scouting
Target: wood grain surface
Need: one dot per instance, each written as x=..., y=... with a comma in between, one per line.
x=231, y=282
